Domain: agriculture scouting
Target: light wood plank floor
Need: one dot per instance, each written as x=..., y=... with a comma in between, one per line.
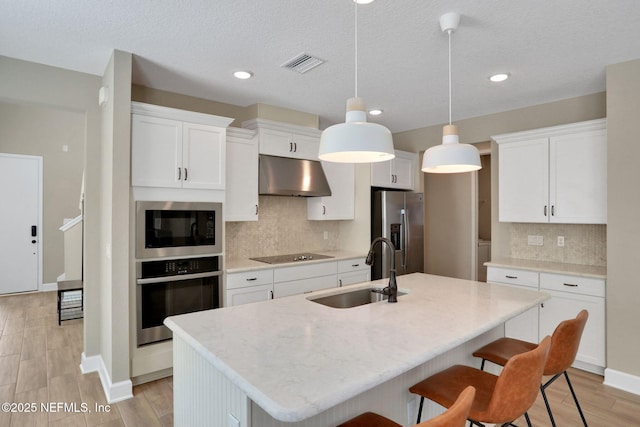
x=39, y=362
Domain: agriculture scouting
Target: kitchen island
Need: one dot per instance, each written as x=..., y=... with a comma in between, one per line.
x=294, y=362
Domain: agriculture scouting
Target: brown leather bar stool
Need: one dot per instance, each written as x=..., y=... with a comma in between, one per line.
x=455, y=416
x=564, y=347
x=499, y=399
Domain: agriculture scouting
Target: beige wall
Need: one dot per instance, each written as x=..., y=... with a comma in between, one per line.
x=39, y=130
x=26, y=82
x=114, y=219
x=623, y=227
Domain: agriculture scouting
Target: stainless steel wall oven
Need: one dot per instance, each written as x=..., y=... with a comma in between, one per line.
x=174, y=286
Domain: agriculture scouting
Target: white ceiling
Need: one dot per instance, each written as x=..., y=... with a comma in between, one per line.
x=554, y=49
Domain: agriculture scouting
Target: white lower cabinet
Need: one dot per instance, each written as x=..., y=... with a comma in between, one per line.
x=352, y=271
x=304, y=278
x=264, y=284
x=249, y=286
x=524, y=326
x=569, y=294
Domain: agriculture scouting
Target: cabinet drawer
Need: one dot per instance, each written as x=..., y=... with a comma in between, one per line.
x=573, y=284
x=303, y=286
x=512, y=276
x=354, y=264
x=249, y=278
x=287, y=274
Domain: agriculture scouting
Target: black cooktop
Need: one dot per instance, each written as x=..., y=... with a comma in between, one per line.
x=282, y=259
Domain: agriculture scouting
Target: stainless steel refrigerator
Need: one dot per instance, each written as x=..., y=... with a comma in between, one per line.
x=398, y=216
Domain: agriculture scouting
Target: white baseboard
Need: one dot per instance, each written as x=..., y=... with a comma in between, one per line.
x=622, y=381
x=49, y=287
x=114, y=392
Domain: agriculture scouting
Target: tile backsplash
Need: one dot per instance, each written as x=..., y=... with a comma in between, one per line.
x=584, y=244
x=282, y=228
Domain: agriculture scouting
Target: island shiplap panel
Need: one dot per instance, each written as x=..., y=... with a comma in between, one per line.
x=392, y=398
x=202, y=393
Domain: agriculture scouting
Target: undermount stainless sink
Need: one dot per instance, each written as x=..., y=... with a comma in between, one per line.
x=352, y=298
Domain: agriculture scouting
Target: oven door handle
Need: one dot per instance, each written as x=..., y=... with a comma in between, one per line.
x=178, y=278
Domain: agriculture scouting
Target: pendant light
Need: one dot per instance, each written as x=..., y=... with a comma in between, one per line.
x=450, y=156
x=356, y=140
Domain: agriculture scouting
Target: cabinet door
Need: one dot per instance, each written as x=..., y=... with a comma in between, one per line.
x=340, y=205
x=251, y=294
x=305, y=147
x=402, y=170
x=523, y=181
x=562, y=306
x=381, y=174
x=578, y=178
x=156, y=152
x=241, y=195
x=275, y=143
x=359, y=276
x=203, y=156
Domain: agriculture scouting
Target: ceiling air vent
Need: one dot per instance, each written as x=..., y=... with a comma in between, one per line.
x=303, y=63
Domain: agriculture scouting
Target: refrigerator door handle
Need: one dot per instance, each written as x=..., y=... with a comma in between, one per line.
x=404, y=247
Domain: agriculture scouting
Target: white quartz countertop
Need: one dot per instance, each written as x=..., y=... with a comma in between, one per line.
x=296, y=358
x=237, y=265
x=595, y=271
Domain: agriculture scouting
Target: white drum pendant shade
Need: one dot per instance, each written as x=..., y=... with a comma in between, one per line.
x=356, y=140
x=451, y=156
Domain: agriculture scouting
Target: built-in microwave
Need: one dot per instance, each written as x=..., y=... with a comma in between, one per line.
x=174, y=229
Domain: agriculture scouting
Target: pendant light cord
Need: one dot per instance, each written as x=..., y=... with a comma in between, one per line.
x=449, y=32
x=356, y=48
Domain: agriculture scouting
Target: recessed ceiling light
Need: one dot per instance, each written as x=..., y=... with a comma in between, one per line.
x=363, y=1
x=375, y=111
x=243, y=75
x=500, y=77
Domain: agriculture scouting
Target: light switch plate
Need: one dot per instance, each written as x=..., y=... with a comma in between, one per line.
x=560, y=240
x=535, y=240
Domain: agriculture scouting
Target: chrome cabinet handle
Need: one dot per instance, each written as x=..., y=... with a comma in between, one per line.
x=553, y=210
x=340, y=282
x=179, y=174
x=545, y=210
x=355, y=265
x=324, y=209
x=256, y=209
x=572, y=285
x=251, y=279
x=290, y=147
x=270, y=294
x=295, y=147
x=186, y=174
x=511, y=277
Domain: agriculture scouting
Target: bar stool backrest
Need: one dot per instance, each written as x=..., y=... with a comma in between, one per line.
x=456, y=415
x=517, y=386
x=564, y=344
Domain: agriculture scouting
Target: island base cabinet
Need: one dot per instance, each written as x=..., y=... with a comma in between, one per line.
x=202, y=395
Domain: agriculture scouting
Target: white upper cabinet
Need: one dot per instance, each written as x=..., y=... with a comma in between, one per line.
x=285, y=140
x=241, y=197
x=340, y=205
x=555, y=174
x=156, y=152
x=395, y=173
x=177, y=149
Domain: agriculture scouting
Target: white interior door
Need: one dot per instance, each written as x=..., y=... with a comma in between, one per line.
x=20, y=182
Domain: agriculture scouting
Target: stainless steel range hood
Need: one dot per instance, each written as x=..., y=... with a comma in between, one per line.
x=283, y=176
